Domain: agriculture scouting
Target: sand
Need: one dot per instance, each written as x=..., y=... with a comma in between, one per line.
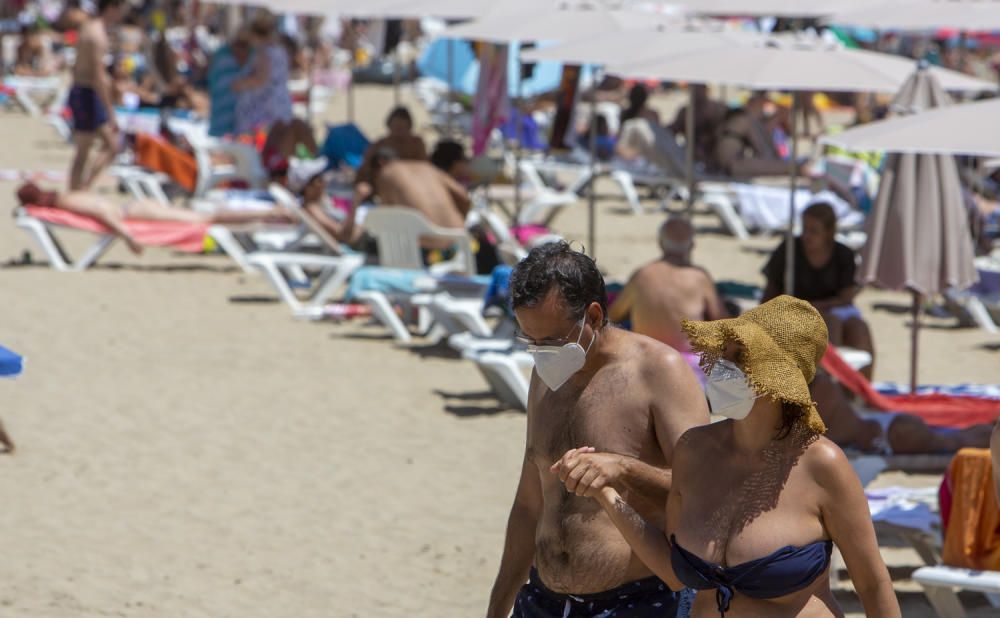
x=186, y=448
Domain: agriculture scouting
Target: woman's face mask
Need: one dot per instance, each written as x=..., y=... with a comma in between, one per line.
x=556, y=364
x=729, y=392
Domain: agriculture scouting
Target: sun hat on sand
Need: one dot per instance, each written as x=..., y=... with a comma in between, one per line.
x=783, y=339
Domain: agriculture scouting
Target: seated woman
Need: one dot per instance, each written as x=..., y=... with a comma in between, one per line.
x=744, y=144
x=307, y=178
x=824, y=276
x=113, y=216
x=887, y=433
x=34, y=59
x=758, y=500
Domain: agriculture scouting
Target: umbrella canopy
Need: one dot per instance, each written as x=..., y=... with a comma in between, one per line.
x=11, y=364
x=796, y=64
x=770, y=8
x=545, y=21
x=923, y=15
x=918, y=236
x=969, y=129
x=618, y=48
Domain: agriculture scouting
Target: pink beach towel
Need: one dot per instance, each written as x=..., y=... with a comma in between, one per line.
x=187, y=237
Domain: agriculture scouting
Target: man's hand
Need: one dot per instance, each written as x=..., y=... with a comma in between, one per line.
x=585, y=472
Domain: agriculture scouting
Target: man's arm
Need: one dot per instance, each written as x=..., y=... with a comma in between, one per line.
x=519, y=545
x=995, y=451
x=676, y=399
x=457, y=193
x=714, y=307
x=102, y=82
x=677, y=404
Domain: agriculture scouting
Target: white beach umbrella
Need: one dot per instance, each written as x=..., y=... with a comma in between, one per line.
x=968, y=128
x=549, y=21
x=794, y=64
x=770, y=8
x=965, y=15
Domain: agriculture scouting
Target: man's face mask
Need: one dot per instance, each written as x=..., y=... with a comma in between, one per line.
x=729, y=392
x=556, y=364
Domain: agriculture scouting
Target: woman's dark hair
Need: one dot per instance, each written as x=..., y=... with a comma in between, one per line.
x=262, y=26
x=791, y=414
x=446, y=154
x=557, y=265
x=399, y=113
x=822, y=212
x=637, y=97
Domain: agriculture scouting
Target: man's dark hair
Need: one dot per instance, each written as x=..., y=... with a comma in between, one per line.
x=400, y=113
x=557, y=265
x=446, y=154
x=104, y=5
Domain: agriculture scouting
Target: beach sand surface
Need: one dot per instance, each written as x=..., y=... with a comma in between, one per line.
x=187, y=448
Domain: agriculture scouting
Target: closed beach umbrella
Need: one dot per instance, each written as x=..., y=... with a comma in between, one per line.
x=918, y=233
x=968, y=128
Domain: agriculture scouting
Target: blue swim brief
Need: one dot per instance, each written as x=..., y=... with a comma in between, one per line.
x=87, y=108
x=645, y=598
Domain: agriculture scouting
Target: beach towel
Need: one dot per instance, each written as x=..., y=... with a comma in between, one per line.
x=157, y=155
x=905, y=507
x=972, y=534
x=404, y=281
x=187, y=237
x=491, y=105
x=955, y=411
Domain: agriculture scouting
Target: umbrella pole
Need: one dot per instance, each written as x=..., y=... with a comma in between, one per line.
x=396, y=77
x=790, y=232
x=592, y=197
x=350, y=88
x=914, y=340
x=517, y=137
x=689, y=148
x=451, y=86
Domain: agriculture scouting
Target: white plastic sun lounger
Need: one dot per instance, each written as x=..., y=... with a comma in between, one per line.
x=940, y=583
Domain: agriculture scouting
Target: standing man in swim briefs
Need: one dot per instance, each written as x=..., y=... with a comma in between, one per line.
x=90, y=99
x=592, y=382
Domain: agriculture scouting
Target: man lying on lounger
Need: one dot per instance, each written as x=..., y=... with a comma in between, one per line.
x=113, y=216
x=887, y=432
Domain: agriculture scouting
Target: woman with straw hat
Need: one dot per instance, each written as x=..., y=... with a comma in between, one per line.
x=759, y=500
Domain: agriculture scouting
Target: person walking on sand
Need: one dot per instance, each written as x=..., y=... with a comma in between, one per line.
x=592, y=383
x=91, y=99
x=760, y=499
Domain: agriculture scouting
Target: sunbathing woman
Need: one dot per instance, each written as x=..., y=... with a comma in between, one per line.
x=113, y=215
x=759, y=500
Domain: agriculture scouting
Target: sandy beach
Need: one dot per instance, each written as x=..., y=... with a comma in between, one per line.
x=187, y=448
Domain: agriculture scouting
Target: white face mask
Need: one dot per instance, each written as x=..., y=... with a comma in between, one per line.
x=729, y=392
x=556, y=364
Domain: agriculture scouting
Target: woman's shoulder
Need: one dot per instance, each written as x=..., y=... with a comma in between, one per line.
x=826, y=462
x=703, y=439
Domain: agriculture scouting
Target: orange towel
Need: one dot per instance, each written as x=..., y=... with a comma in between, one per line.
x=972, y=539
x=157, y=155
x=188, y=237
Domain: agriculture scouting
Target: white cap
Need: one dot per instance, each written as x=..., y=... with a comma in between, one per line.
x=301, y=171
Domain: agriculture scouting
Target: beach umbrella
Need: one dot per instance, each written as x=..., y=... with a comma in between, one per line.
x=968, y=128
x=547, y=21
x=794, y=64
x=11, y=364
x=915, y=15
x=770, y=8
x=918, y=233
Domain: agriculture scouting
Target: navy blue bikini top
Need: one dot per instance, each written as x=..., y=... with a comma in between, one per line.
x=783, y=572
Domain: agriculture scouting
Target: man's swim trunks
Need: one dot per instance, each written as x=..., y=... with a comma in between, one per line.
x=646, y=598
x=87, y=108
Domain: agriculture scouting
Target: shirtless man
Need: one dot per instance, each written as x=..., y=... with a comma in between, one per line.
x=91, y=100
x=662, y=293
x=592, y=382
x=420, y=185
x=400, y=140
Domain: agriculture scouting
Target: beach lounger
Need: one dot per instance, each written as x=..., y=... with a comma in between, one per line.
x=41, y=223
x=940, y=582
x=28, y=90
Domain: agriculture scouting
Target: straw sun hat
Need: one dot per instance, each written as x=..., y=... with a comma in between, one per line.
x=783, y=339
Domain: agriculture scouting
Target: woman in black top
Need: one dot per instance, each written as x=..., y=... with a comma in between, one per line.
x=824, y=276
